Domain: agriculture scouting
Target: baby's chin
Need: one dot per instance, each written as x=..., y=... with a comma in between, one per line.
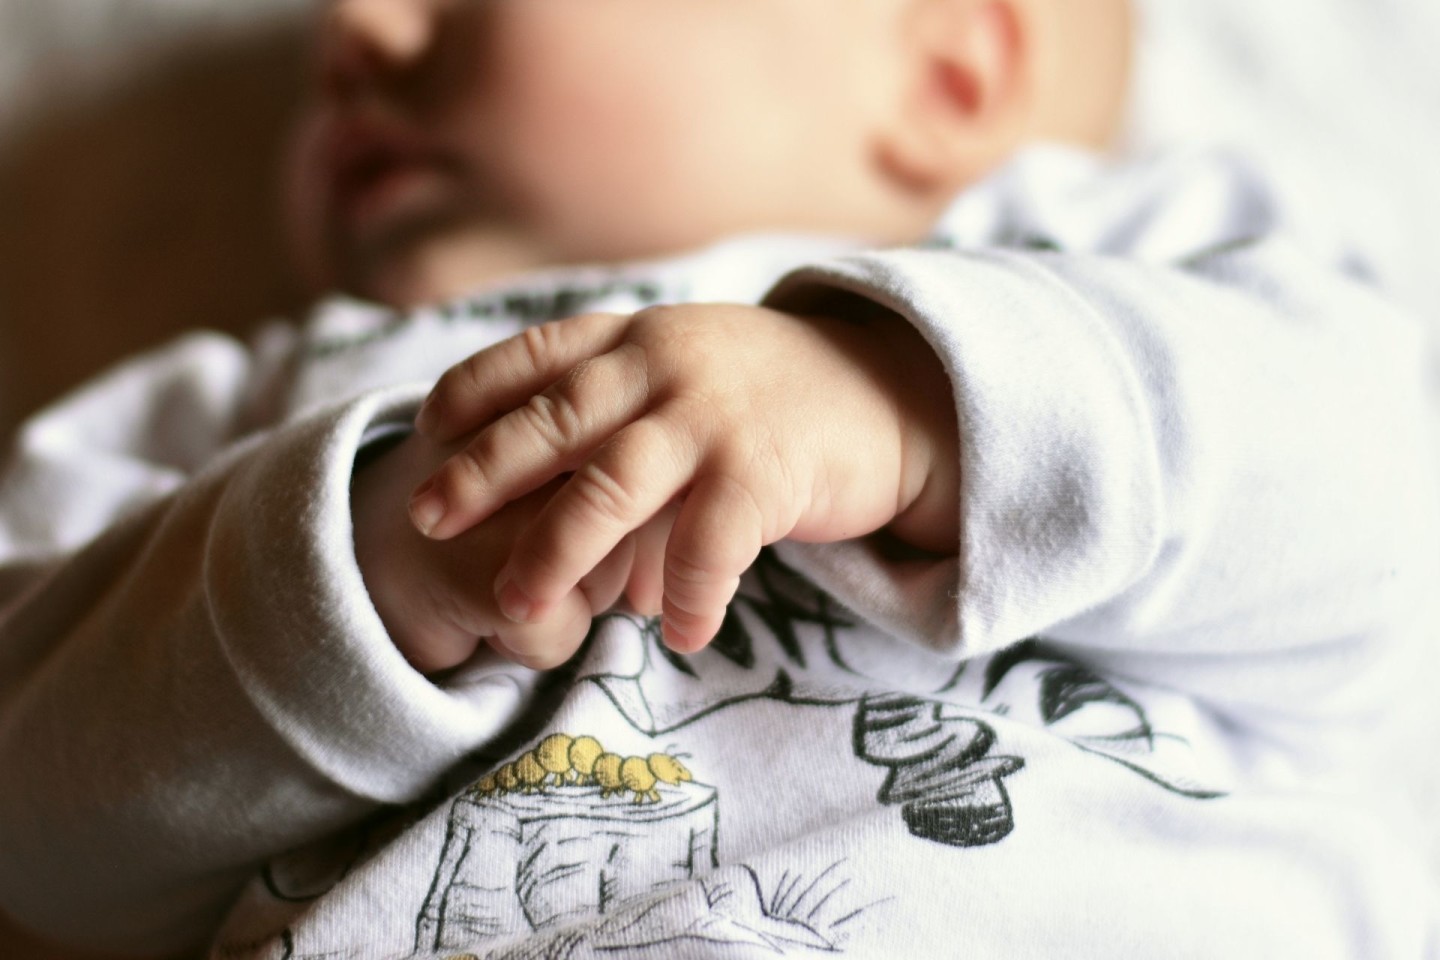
x=402, y=281
x=425, y=267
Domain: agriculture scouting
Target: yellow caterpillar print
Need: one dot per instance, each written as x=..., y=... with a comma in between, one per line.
x=561, y=760
x=638, y=774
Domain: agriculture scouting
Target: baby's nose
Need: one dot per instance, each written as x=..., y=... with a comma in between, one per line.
x=365, y=41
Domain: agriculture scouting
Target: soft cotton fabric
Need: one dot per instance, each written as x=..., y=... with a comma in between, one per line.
x=1164, y=703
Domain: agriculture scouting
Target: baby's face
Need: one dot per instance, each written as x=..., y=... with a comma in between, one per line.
x=454, y=141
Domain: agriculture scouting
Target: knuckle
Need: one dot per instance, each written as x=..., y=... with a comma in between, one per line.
x=655, y=441
x=661, y=318
x=686, y=620
x=687, y=574
x=465, y=379
x=535, y=343
x=668, y=335
x=600, y=493
x=698, y=602
x=465, y=470
x=627, y=364
x=554, y=418
x=584, y=389
x=768, y=455
x=690, y=574
x=700, y=413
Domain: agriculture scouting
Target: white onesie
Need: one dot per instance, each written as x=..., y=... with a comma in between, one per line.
x=1162, y=704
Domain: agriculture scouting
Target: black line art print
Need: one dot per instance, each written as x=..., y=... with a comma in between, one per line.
x=1089, y=711
x=730, y=907
x=577, y=851
x=556, y=845
x=566, y=831
x=949, y=788
x=785, y=640
x=780, y=640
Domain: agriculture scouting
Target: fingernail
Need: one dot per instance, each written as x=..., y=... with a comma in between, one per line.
x=514, y=602
x=427, y=507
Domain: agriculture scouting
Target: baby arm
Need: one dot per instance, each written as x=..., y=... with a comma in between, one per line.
x=763, y=424
x=192, y=677
x=1177, y=423
x=1197, y=451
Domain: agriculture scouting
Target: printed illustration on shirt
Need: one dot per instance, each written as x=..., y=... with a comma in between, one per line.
x=731, y=908
x=570, y=831
x=605, y=837
x=942, y=775
x=785, y=640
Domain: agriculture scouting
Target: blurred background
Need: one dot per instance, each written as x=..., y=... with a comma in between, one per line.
x=138, y=167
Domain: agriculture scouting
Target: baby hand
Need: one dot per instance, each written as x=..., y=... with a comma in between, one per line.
x=435, y=598
x=763, y=425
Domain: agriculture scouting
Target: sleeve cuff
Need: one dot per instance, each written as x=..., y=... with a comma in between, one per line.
x=320, y=666
x=1060, y=483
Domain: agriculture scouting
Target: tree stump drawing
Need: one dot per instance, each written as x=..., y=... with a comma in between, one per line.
x=519, y=862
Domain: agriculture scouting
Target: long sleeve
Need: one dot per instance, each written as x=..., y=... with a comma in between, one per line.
x=1195, y=449
x=1191, y=455
x=191, y=675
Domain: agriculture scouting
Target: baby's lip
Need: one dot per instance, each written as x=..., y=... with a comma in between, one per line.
x=367, y=162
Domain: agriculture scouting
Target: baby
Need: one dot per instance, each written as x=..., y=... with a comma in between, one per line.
x=457, y=143
x=454, y=142
x=797, y=512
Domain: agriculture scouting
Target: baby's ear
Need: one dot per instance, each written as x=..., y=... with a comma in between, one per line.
x=966, y=95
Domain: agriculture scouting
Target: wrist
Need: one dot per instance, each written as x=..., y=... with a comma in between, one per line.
x=927, y=510
x=928, y=515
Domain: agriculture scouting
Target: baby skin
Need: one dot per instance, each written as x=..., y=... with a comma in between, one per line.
x=651, y=456
x=841, y=426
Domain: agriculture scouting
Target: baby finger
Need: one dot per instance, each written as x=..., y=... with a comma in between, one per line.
x=716, y=538
x=503, y=376
x=545, y=646
x=550, y=434
x=629, y=480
